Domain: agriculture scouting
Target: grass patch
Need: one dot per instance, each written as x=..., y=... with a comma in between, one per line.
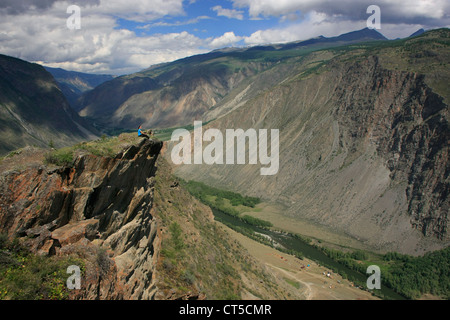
x=293, y=283
x=25, y=276
x=103, y=147
x=229, y=202
x=166, y=134
x=201, y=191
x=61, y=157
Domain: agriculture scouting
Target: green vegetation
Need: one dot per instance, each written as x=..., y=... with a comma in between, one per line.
x=104, y=147
x=201, y=190
x=414, y=276
x=227, y=202
x=25, y=276
x=195, y=254
x=166, y=134
x=256, y=221
x=409, y=276
x=293, y=283
x=61, y=157
x=11, y=154
x=176, y=232
x=174, y=249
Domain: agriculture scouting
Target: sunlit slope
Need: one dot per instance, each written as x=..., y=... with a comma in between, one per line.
x=364, y=142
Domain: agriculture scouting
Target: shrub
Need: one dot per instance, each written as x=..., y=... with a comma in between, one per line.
x=176, y=232
x=62, y=157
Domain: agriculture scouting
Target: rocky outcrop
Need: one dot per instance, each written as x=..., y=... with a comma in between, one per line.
x=98, y=209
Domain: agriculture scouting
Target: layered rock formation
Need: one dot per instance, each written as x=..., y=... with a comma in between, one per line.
x=409, y=125
x=98, y=209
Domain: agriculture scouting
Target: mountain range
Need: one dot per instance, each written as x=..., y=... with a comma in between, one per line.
x=363, y=151
x=74, y=84
x=363, y=125
x=364, y=139
x=174, y=94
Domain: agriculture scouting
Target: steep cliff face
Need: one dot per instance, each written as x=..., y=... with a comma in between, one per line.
x=97, y=204
x=138, y=234
x=408, y=124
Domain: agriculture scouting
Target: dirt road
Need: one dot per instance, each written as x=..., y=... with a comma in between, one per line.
x=304, y=279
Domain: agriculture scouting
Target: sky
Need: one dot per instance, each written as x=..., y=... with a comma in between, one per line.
x=125, y=36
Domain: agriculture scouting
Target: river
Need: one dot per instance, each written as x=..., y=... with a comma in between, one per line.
x=292, y=243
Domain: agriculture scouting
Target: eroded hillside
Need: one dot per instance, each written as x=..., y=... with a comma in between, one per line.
x=364, y=142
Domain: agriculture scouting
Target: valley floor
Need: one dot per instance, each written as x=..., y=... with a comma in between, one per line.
x=307, y=283
x=274, y=213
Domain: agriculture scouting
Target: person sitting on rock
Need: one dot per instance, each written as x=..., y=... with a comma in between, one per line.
x=142, y=134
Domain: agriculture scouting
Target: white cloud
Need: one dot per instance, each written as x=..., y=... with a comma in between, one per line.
x=227, y=39
x=138, y=10
x=229, y=13
x=331, y=18
x=36, y=31
x=429, y=12
x=174, y=24
x=313, y=25
x=99, y=46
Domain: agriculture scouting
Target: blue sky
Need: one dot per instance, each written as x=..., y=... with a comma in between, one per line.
x=125, y=36
x=205, y=19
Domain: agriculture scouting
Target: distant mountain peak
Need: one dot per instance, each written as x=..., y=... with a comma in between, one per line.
x=365, y=33
x=417, y=33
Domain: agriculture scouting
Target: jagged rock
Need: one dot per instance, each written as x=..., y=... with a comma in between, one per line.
x=74, y=232
x=47, y=248
x=98, y=203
